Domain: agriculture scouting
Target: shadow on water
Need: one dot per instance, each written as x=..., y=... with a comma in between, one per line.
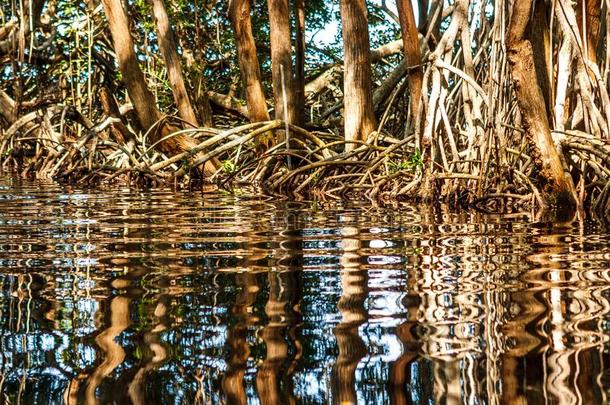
x=121, y=296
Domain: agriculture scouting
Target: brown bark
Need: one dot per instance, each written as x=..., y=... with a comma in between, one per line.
x=7, y=108
x=539, y=36
x=281, y=60
x=119, y=132
x=239, y=13
x=203, y=106
x=412, y=52
x=300, y=61
x=133, y=78
x=359, y=114
x=423, y=15
x=140, y=95
x=590, y=26
x=228, y=103
x=168, y=48
x=557, y=183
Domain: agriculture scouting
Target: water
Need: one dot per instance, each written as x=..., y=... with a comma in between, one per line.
x=157, y=297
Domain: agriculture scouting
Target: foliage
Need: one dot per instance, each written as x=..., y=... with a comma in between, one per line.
x=471, y=129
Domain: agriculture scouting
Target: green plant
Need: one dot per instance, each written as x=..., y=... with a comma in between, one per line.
x=414, y=162
x=228, y=166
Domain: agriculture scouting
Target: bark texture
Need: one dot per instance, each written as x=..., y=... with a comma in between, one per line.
x=7, y=108
x=412, y=52
x=539, y=36
x=168, y=48
x=239, y=13
x=133, y=77
x=589, y=24
x=557, y=184
x=281, y=60
x=423, y=14
x=300, y=61
x=140, y=95
x=359, y=113
x=118, y=131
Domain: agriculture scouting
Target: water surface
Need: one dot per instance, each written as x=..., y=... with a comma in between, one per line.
x=158, y=297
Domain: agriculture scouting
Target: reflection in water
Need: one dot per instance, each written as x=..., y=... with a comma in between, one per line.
x=353, y=314
x=159, y=297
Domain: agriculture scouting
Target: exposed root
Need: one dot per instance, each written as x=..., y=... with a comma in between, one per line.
x=383, y=169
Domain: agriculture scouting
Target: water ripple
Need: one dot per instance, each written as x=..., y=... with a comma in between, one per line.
x=118, y=295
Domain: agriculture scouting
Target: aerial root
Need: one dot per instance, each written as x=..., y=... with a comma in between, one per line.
x=382, y=169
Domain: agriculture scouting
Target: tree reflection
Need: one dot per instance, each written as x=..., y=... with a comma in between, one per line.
x=231, y=303
x=237, y=339
x=556, y=340
x=156, y=353
x=400, y=369
x=112, y=351
x=353, y=314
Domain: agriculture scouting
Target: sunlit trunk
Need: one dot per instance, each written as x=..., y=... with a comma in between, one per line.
x=239, y=13
x=167, y=45
x=558, y=188
x=588, y=14
x=358, y=113
x=412, y=53
x=281, y=61
x=139, y=94
x=299, y=45
x=539, y=36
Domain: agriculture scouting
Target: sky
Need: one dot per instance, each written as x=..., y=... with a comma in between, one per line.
x=328, y=35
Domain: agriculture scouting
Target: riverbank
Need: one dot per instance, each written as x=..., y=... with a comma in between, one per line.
x=309, y=165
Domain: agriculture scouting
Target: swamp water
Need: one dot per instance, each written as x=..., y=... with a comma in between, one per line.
x=119, y=296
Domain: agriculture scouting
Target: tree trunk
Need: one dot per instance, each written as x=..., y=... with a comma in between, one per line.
x=32, y=11
x=423, y=15
x=300, y=61
x=118, y=131
x=359, y=113
x=557, y=184
x=589, y=26
x=539, y=36
x=168, y=47
x=281, y=60
x=141, y=97
x=239, y=13
x=412, y=52
x=8, y=109
x=133, y=78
